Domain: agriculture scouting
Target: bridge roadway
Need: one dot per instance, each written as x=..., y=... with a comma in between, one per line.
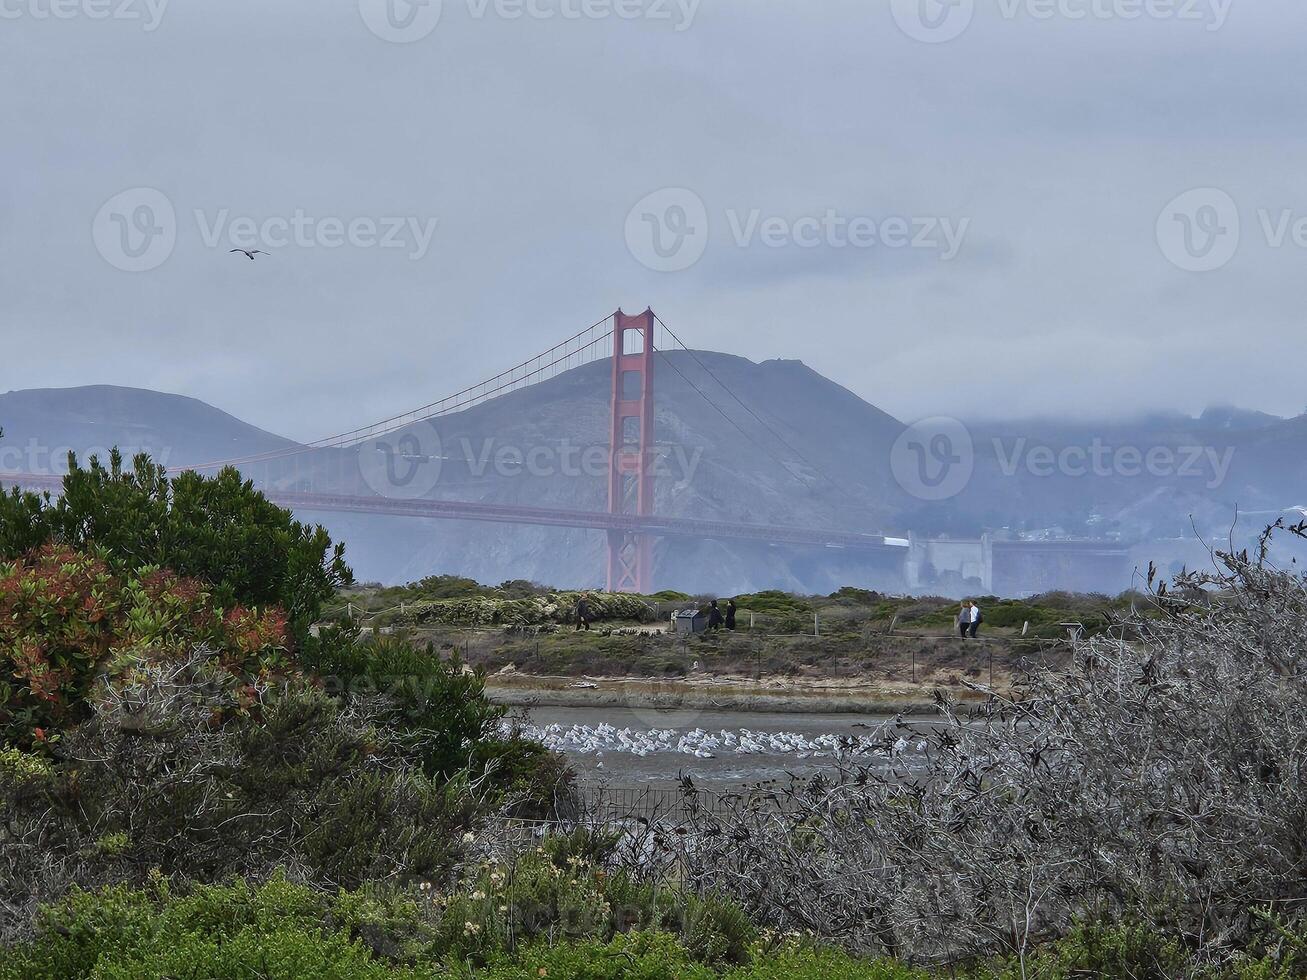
x=457, y=510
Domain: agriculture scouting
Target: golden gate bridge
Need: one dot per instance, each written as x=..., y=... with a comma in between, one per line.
x=295, y=476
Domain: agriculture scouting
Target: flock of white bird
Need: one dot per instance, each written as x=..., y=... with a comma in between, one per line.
x=598, y=739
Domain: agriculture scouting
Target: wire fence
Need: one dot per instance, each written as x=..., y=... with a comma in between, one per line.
x=618, y=806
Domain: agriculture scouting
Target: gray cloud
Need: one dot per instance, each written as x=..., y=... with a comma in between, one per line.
x=527, y=141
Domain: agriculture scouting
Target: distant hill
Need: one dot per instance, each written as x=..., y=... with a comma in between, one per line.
x=174, y=429
x=1161, y=476
x=804, y=451
x=816, y=458
x=800, y=450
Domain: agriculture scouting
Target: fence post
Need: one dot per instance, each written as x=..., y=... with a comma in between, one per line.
x=816, y=626
x=914, y=665
x=350, y=606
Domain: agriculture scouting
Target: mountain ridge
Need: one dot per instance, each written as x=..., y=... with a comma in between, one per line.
x=772, y=442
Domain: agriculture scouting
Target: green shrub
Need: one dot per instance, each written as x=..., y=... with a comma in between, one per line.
x=218, y=530
x=213, y=934
x=640, y=956
x=439, y=707
x=534, y=782
x=1121, y=951
x=504, y=906
x=297, y=782
x=716, y=931
x=20, y=768
x=800, y=963
x=591, y=847
x=66, y=620
x=552, y=608
x=671, y=595
x=775, y=603
x=279, y=929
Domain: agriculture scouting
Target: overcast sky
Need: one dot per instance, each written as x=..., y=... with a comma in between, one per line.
x=972, y=213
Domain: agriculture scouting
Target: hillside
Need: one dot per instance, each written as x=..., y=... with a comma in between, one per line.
x=834, y=476
x=800, y=450
x=711, y=470
x=41, y=424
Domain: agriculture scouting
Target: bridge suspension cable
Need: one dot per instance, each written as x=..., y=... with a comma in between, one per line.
x=758, y=418
x=562, y=356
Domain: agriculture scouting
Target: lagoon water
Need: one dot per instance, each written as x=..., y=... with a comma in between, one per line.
x=624, y=746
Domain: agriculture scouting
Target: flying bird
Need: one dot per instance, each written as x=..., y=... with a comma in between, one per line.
x=250, y=253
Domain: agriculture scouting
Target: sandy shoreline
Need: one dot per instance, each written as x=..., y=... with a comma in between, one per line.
x=719, y=693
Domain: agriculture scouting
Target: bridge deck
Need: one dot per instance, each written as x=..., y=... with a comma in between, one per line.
x=546, y=517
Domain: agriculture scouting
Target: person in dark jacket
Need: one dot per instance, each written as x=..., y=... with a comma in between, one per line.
x=730, y=614
x=714, y=616
x=583, y=613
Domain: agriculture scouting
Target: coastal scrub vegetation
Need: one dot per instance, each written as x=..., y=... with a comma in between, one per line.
x=202, y=777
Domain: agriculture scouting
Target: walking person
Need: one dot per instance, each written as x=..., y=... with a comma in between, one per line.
x=976, y=620
x=583, y=613
x=964, y=619
x=730, y=614
x=714, y=616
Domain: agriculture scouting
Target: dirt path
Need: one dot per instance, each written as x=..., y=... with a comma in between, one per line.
x=823, y=696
